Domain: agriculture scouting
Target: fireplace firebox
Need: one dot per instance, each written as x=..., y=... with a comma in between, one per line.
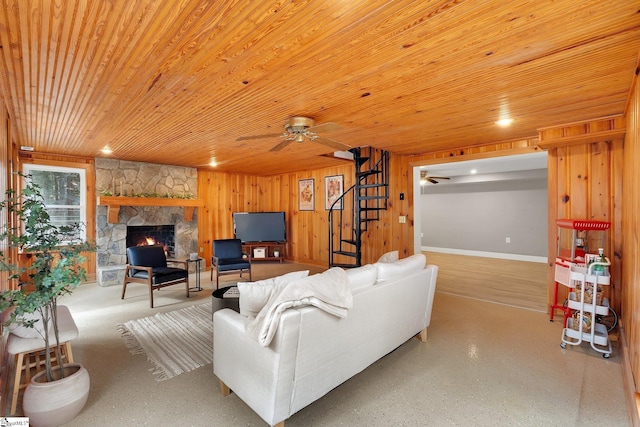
x=164, y=235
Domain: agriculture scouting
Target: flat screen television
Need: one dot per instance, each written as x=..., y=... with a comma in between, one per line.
x=259, y=226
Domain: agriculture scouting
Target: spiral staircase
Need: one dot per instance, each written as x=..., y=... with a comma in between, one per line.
x=351, y=214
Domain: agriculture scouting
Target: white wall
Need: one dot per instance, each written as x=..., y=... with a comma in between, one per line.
x=481, y=216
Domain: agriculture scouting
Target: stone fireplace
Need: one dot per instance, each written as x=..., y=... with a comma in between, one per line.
x=138, y=235
x=135, y=177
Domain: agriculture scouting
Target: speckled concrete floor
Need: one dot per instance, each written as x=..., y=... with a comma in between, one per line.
x=483, y=365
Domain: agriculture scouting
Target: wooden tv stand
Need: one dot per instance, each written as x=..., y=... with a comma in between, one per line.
x=249, y=248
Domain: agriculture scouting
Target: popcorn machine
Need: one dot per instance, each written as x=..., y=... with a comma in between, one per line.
x=579, y=237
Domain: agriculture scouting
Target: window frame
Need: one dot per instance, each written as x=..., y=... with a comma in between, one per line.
x=28, y=167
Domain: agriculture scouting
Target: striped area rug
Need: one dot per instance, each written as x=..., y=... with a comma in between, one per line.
x=175, y=342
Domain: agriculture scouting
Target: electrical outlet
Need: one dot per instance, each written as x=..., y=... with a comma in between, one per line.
x=508, y=240
x=402, y=219
x=201, y=249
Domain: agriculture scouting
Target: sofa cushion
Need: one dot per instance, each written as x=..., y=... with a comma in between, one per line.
x=392, y=256
x=361, y=277
x=254, y=295
x=408, y=265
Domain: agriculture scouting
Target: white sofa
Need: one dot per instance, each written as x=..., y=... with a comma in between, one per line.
x=313, y=351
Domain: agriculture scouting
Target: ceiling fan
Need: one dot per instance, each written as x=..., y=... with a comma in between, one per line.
x=424, y=178
x=298, y=129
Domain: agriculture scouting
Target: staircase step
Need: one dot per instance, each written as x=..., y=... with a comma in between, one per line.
x=363, y=160
x=345, y=253
x=372, y=209
x=373, y=185
x=373, y=197
x=367, y=173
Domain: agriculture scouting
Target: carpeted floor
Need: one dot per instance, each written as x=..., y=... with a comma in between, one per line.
x=483, y=365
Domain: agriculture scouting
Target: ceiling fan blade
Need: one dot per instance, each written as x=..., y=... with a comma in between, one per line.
x=325, y=127
x=431, y=180
x=331, y=143
x=439, y=177
x=282, y=145
x=267, y=135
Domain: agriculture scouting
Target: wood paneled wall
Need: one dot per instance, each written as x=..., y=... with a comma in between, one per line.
x=499, y=149
x=630, y=231
x=584, y=184
x=307, y=231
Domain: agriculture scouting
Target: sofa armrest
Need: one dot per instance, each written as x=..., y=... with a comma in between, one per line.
x=432, y=290
x=262, y=377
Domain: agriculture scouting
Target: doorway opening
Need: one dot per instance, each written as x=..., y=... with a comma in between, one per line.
x=485, y=222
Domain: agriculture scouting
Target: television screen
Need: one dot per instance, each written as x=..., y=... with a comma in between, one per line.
x=259, y=226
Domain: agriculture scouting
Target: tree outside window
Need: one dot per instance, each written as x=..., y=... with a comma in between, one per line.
x=62, y=189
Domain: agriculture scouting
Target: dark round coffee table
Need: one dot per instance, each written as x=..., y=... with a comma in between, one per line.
x=226, y=297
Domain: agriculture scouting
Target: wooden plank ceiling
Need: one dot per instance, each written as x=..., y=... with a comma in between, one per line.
x=177, y=82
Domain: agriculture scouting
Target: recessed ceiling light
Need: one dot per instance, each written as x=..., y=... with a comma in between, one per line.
x=473, y=171
x=106, y=150
x=213, y=163
x=26, y=148
x=504, y=122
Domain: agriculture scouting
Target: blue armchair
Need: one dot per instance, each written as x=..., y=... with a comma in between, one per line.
x=227, y=259
x=148, y=265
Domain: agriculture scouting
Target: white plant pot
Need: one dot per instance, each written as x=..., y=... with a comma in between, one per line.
x=51, y=404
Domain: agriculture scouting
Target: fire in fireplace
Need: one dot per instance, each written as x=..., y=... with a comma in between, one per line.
x=141, y=235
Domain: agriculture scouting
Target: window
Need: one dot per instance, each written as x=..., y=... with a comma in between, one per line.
x=63, y=192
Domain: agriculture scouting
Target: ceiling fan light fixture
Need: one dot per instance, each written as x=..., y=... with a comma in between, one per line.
x=300, y=129
x=299, y=123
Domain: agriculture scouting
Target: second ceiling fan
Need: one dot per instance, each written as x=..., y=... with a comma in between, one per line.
x=299, y=129
x=425, y=177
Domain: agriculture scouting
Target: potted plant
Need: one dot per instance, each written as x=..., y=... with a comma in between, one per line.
x=54, y=269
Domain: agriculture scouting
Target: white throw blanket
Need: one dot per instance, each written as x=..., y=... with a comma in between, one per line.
x=328, y=291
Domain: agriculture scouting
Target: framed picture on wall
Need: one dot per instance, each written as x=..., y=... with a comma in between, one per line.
x=333, y=189
x=306, y=195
